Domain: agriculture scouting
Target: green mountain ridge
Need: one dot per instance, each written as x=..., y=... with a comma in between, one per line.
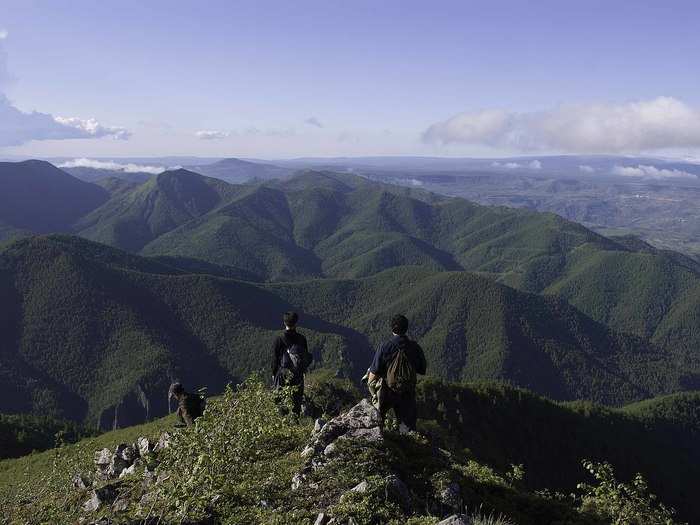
x=94, y=333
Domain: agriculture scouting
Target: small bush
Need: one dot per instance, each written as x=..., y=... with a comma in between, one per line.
x=622, y=503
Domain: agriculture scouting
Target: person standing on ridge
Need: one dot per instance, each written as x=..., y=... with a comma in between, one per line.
x=392, y=375
x=290, y=360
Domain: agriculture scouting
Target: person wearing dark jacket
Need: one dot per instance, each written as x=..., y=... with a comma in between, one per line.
x=291, y=358
x=189, y=406
x=383, y=365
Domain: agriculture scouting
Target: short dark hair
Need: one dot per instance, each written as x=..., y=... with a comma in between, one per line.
x=399, y=325
x=291, y=318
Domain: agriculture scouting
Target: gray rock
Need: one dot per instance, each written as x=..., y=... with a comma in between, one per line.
x=361, y=487
x=373, y=435
x=163, y=442
x=361, y=416
x=131, y=469
x=330, y=450
x=456, y=519
x=297, y=481
x=451, y=496
x=398, y=492
x=322, y=519
x=99, y=497
x=318, y=425
x=308, y=452
x=80, y=482
x=116, y=466
x=120, y=505
x=103, y=457
x=126, y=452
x=144, y=446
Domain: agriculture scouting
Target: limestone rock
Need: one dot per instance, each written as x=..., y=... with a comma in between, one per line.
x=451, y=495
x=456, y=519
x=163, y=442
x=103, y=457
x=99, y=497
x=318, y=425
x=120, y=505
x=80, y=482
x=144, y=446
x=398, y=492
x=321, y=519
x=131, y=469
x=361, y=487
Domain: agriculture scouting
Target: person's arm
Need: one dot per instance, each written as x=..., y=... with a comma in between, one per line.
x=422, y=365
x=376, y=369
x=308, y=356
x=276, y=354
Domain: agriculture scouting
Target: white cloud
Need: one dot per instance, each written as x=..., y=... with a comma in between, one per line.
x=110, y=165
x=3, y=34
x=18, y=127
x=313, y=121
x=663, y=122
x=586, y=169
x=212, y=134
x=91, y=128
x=532, y=165
x=650, y=172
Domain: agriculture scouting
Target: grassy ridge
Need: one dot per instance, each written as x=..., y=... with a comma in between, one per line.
x=486, y=428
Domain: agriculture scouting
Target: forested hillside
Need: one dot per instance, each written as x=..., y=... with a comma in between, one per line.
x=94, y=333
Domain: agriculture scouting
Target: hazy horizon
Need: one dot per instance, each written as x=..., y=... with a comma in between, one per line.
x=271, y=80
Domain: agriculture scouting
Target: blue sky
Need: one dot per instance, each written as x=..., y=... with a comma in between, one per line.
x=281, y=79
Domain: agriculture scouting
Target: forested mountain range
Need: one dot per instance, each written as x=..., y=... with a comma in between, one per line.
x=95, y=333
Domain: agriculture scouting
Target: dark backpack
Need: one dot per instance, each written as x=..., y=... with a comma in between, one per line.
x=293, y=365
x=400, y=374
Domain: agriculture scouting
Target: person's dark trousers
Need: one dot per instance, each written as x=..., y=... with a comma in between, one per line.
x=297, y=398
x=404, y=406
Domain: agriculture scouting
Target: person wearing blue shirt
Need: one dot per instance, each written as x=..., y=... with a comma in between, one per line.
x=403, y=402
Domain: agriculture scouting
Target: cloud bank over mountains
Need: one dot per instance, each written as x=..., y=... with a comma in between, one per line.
x=112, y=166
x=660, y=123
x=18, y=127
x=651, y=172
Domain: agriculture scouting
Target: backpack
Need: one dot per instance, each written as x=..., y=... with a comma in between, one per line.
x=400, y=374
x=292, y=367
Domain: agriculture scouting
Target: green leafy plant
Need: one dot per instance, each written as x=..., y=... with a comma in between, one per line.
x=622, y=503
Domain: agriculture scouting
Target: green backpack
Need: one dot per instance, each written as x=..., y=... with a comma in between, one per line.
x=400, y=375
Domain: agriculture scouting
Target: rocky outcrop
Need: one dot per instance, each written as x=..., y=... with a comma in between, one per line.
x=111, y=466
x=362, y=423
x=360, y=426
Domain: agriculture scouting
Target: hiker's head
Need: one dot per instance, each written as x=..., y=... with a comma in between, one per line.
x=176, y=390
x=399, y=325
x=290, y=320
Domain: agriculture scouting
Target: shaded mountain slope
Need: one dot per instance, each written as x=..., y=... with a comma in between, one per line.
x=36, y=196
x=502, y=426
x=91, y=332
